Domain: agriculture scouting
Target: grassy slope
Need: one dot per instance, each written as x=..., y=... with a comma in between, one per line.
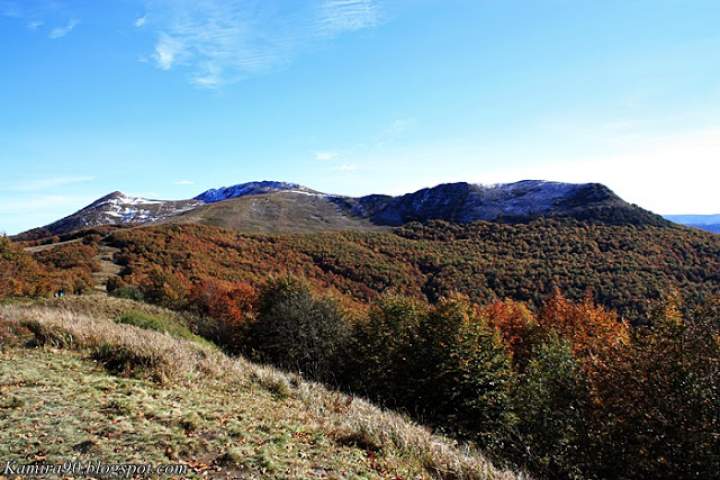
x=100, y=390
x=275, y=212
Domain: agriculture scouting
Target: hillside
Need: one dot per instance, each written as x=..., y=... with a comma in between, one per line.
x=113, y=209
x=96, y=389
x=623, y=266
x=291, y=211
x=280, y=206
x=514, y=202
x=562, y=388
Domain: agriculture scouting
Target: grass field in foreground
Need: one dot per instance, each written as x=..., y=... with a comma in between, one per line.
x=86, y=388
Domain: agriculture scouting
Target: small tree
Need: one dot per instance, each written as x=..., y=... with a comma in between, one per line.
x=551, y=400
x=229, y=308
x=517, y=326
x=466, y=372
x=380, y=361
x=295, y=331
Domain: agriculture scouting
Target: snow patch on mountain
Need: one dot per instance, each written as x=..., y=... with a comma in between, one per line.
x=252, y=188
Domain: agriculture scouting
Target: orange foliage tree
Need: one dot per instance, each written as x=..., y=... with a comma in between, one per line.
x=593, y=331
x=231, y=307
x=517, y=326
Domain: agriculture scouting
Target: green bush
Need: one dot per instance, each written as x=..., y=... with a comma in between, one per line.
x=551, y=398
x=379, y=363
x=295, y=331
x=128, y=292
x=159, y=323
x=465, y=372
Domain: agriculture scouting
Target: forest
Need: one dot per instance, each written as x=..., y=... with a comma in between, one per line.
x=565, y=391
x=569, y=349
x=68, y=269
x=624, y=267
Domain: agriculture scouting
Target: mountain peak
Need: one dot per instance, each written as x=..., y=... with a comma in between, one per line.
x=250, y=188
x=460, y=202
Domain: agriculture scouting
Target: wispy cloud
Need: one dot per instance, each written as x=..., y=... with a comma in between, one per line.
x=325, y=156
x=46, y=183
x=222, y=41
x=140, y=22
x=38, y=13
x=347, y=167
x=10, y=9
x=59, y=32
x=347, y=15
x=184, y=182
x=167, y=51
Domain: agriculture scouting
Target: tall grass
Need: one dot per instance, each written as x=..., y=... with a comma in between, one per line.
x=130, y=350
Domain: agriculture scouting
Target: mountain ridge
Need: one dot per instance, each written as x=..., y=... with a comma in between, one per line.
x=279, y=206
x=709, y=223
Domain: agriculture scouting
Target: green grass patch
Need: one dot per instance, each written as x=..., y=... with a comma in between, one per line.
x=160, y=323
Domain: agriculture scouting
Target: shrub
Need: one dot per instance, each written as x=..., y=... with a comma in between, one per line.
x=551, y=399
x=380, y=360
x=295, y=331
x=129, y=293
x=466, y=371
x=159, y=323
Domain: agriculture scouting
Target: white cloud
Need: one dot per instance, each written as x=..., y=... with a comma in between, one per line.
x=326, y=156
x=59, y=32
x=140, y=22
x=167, y=51
x=222, y=41
x=347, y=15
x=184, y=182
x=35, y=24
x=45, y=183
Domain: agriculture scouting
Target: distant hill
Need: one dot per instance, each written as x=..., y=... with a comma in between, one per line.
x=513, y=202
x=282, y=206
x=623, y=266
x=276, y=211
x=710, y=223
x=115, y=208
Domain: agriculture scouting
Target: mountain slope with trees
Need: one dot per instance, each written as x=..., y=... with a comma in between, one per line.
x=624, y=267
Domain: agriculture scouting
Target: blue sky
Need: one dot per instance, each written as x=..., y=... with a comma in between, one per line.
x=167, y=98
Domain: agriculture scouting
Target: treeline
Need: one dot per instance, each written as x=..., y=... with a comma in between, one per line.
x=566, y=390
x=562, y=386
x=626, y=267
x=66, y=267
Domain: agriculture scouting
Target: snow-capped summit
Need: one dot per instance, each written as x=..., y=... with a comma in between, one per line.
x=116, y=208
x=268, y=205
x=251, y=188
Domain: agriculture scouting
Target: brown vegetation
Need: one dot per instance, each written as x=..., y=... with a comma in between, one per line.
x=402, y=446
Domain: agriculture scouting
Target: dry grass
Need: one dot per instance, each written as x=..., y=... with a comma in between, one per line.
x=392, y=440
